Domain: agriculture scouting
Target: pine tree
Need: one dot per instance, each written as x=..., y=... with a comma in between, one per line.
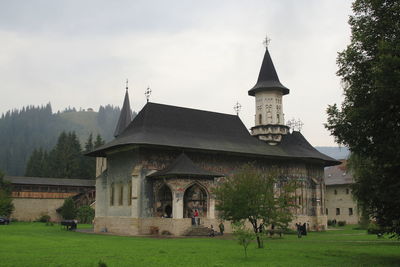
x=6, y=205
x=99, y=141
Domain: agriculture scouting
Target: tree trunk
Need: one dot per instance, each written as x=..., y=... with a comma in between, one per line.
x=256, y=230
x=259, y=241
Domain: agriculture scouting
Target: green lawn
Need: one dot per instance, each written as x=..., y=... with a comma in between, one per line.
x=34, y=244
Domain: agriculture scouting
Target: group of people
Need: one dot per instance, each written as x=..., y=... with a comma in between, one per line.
x=221, y=229
x=301, y=229
x=195, y=217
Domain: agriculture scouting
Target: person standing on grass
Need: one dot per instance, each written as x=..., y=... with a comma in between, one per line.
x=299, y=230
x=221, y=228
x=196, y=216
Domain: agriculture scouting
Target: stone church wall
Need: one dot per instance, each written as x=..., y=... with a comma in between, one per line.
x=129, y=169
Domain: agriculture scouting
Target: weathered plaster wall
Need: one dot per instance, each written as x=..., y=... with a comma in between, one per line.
x=30, y=209
x=343, y=199
x=130, y=168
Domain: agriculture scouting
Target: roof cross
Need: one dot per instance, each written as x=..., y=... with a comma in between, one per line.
x=237, y=108
x=126, y=84
x=147, y=93
x=295, y=125
x=266, y=41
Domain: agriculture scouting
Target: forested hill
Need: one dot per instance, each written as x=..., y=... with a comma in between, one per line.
x=21, y=131
x=334, y=152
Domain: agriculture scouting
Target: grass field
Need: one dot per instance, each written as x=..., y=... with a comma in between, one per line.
x=34, y=244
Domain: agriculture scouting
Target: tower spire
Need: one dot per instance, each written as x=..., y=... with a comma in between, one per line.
x=268, y=91
x=268, y=78
x=125, y=117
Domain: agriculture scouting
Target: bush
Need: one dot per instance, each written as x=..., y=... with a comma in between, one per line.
x=374, y=229
x=165, y=232
x=85, y=214
x=68, y=210
x=332, y=222
x=44, y=218
x=341, y=223
x=6, y=205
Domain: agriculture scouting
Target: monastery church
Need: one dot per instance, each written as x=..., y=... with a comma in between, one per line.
x=163, y=164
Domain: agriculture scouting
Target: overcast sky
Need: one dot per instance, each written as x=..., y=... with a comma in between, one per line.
x=198, y=54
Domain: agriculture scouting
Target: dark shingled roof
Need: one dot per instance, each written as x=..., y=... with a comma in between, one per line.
x=164, y=125
x=268, y=78
x=338, y=175
x=49, y=181
x=125, y=116
x=183, y=166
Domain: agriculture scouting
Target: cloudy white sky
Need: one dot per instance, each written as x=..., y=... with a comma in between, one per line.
x=198, y=54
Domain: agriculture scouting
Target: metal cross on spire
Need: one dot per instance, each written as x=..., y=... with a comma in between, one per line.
x=147, y=93
x=126, y=85
x=237, y=108
x=266, y=41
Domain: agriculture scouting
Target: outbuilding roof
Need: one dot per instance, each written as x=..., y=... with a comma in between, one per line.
x=338, y=175
x=183, y=166
x=178, y=127
x=49, y=181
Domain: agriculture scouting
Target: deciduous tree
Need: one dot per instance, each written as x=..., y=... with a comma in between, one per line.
x=261, y=197
x=368, y=121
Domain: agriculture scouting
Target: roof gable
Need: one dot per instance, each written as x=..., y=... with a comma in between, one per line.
x=183, y=166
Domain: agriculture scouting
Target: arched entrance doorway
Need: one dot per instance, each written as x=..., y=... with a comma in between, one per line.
x=195, y=198
x=164, y=202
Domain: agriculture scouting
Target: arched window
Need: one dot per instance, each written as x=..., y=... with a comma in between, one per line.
x=195, y=198
x=163, y=203
x=259, y=118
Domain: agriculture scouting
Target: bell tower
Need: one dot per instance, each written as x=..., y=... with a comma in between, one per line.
x=268, y=92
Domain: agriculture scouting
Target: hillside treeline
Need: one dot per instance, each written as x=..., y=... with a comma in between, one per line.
x=66, y=159
x=37, y=127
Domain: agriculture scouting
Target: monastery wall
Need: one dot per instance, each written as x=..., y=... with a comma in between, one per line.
x=30, y=209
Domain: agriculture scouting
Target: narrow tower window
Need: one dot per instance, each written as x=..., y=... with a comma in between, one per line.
x=259, y=118
x=112, y=195
x=130, y=193
x=121, y=195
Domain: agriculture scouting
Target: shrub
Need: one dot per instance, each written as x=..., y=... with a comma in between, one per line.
x=102, y=264
x=341, y=223
x=85, y=214
x=165, y=232
x=44, y=218
x=243, y=235
x=374, y=229
x=68, y=210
